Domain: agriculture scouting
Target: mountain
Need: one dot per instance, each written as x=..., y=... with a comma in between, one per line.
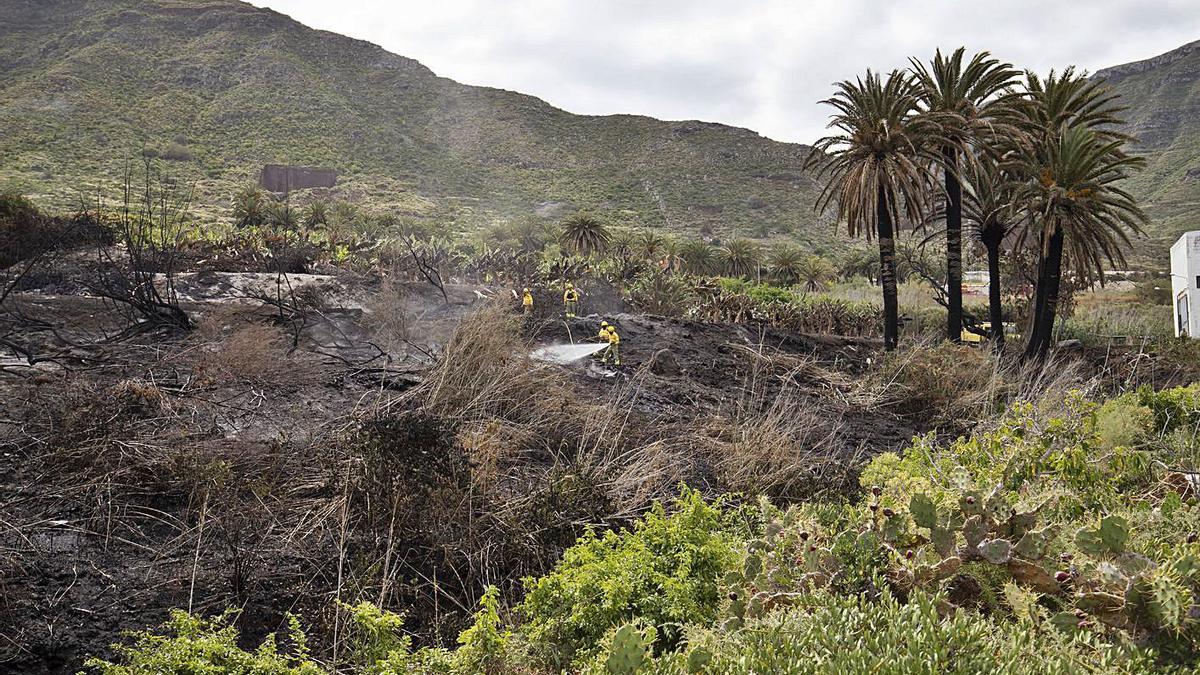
x=218, y=88
x=1163, y=96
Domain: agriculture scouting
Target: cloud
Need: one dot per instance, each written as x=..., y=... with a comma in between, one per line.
x=761, y=64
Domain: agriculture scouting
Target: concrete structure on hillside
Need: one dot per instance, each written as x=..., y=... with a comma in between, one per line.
x=283, y=178
x=1185, y=284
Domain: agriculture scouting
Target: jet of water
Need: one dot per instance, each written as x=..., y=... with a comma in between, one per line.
x=563, y=354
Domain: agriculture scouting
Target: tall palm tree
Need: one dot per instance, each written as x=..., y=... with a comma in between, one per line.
x=785, y=262
x=992, y=213
x=1078, y=211
x=584, y=234
x=741, y=258
x=875, y=166
x=699, y=257
x=962, y=99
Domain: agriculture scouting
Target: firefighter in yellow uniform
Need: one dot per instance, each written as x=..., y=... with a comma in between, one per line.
x=614, y=346
x=527, y=302
x=571, y=300
x=602, y=336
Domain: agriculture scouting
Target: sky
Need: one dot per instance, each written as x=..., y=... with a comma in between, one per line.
x=759, y=64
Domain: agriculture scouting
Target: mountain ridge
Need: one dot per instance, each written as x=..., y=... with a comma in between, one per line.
x=247, y=86
x=221, y=87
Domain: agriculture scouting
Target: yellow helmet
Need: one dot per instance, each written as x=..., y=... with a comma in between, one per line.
x=526, y=290
x=604, y=324
x=611, y=328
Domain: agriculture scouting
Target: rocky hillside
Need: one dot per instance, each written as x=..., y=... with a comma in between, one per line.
x=218, y=88
x=1163, y=95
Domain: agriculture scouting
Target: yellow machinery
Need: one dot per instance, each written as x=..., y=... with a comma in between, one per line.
x=1010, y=333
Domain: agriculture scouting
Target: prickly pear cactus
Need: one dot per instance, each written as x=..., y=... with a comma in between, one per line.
x=1106, y=539
x=996, y=551
x=627, y=652
x=923, y=511
x=698, y=659
x=1032, y=545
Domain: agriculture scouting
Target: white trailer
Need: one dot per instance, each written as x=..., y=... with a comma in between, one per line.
x=1185, y=284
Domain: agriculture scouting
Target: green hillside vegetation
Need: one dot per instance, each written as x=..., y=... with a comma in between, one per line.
x=1163, y=99
x=218, y=88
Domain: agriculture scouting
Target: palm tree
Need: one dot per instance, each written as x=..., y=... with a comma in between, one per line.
x=281, y=216
x=814, y=271
x=785, y=262
x=1072, y=168
x=621, y=243
x=876, y=168
x=741, y=258
x=530, y=234
x=650, y=245
x=699, y=257
x=584, y=234
x=992, y=212
x=671, y=254
x=249, y=207
x=963, y=101
x=316, y=214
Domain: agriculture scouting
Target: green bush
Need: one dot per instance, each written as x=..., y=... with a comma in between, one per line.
x=665, y=570
x=830, y=634
x=195, y=645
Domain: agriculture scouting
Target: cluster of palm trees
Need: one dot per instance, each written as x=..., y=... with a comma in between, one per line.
x=1017, y=160
x=588, y=236
x=340, y=221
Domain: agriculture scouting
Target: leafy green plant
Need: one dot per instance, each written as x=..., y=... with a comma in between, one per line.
x=664, y=569
x=191, y=644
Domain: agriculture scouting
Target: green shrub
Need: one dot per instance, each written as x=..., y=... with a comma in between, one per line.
x=665, y=570
x=190, y=644
x=830, y=634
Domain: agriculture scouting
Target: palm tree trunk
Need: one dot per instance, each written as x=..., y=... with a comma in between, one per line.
x=887, y=270
x=992, y=236
x=953, y=246
x=1045, y=299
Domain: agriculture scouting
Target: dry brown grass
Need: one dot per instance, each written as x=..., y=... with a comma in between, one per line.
x=387, y=314
x=232, y=347
x=786, y=446
x=938, y=383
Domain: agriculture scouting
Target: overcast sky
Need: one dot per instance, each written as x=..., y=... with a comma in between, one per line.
x=761, y=64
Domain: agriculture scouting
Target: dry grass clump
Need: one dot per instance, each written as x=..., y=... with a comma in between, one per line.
x=787, y=447
x=489, y=469
x=234, y=347
x=387, y=314
x=485, y=372
x=939, y=383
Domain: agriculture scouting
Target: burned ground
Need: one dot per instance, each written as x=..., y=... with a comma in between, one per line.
x=366, y=439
